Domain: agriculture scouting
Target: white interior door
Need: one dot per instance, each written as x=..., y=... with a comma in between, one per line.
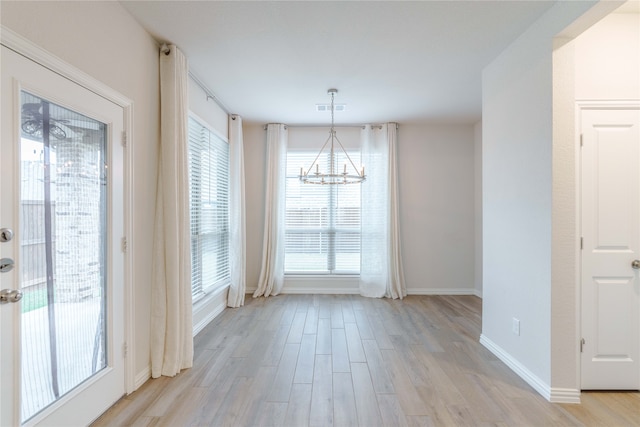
x=61, y=182
x=611, y=243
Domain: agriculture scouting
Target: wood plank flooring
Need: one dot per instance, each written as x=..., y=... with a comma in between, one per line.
x=344, y=360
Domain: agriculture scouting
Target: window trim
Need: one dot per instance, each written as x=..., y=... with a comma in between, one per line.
x=332, y=227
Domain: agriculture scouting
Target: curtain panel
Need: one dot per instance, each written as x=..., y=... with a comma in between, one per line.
x=272, y=272
x=381, y=273
x=171, y=305
x=237, y=219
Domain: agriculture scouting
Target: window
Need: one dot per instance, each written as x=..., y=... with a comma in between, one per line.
x=209, y=208
x=322, y=222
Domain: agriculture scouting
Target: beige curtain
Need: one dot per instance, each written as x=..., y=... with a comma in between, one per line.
x=237, y=227
x=396, y=287
x=171, y=316
x=381, y=273
x=272, y=273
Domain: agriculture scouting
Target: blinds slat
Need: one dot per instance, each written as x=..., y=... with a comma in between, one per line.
x=209, y=209
x=322, y=222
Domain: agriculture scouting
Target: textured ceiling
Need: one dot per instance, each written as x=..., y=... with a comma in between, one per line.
x=398, y=61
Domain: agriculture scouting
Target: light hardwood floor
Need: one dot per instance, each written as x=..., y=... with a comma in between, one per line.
x=344, y=360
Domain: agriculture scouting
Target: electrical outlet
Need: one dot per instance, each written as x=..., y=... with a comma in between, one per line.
x=515, y=326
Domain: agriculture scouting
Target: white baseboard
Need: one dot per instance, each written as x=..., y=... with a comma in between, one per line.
x=207, y=309
x=307, y=290
x=142, y=377
x=349, y=286
x=524, y=373
x=441, y=291
x=320, y=291
x=564, y=395
x=552, y=394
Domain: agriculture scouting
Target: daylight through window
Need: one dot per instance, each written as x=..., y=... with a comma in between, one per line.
x=209, y=208
x=322, y=221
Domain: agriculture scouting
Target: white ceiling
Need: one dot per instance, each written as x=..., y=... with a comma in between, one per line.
x=397, y=61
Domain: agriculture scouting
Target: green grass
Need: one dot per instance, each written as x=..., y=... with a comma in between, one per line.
x=32, y=300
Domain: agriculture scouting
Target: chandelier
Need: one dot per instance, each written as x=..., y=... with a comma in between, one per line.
x=348, y=175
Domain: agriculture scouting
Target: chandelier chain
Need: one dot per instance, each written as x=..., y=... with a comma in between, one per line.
x=332, y=111
x=332, y=177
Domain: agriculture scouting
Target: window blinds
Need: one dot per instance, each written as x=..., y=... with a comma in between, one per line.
x=209, y=207
x=322, y=222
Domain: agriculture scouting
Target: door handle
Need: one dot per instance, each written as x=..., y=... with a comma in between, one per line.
x=6, y=265
x=6, y=234
x=10, y=295
x=635, y=264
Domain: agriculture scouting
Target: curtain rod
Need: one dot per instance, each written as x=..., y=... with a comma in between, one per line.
x=164, y=48
x=210, y=95
x=264, y=127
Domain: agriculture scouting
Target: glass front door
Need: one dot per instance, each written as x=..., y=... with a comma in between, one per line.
x=62, y=358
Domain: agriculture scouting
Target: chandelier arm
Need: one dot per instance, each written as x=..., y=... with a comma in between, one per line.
x=348, y=157
x=332, y=177
x=332, y=155
x=318, y=156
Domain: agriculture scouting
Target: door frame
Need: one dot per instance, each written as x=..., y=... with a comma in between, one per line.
x=580, y=106
x=28, y=49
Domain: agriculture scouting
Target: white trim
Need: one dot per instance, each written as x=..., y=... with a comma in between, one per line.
x=142, y=377
x=37, y=419
x=130, y=299
x=538, y=385
x=577, y=129
x=300, y=288
x=442, y=291
x=208, y=308
x=322, y=290
x=204, y=123
x=29, y=50
x=564, y=395
x=611, y=104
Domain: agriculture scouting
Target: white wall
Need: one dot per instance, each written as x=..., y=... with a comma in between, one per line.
x=606, y=59
x=517, y=197
x=104, y=41
x=207, y=109
x=477, y=211
x=436, y=180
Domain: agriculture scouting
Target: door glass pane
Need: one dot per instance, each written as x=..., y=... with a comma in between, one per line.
x=63, y=246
